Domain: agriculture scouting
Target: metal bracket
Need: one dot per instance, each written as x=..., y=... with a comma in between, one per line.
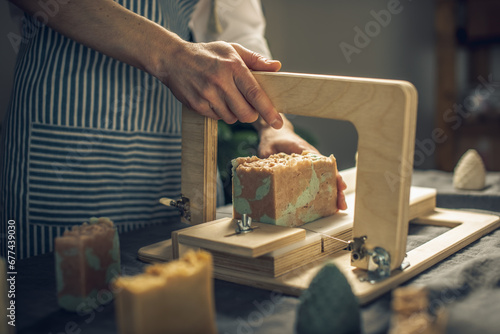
x=379, y=266
x=357, y=248
x=244, y=225
x=181, y=204
x=379, y=260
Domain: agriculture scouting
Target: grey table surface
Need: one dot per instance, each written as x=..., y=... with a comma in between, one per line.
x=467, y=283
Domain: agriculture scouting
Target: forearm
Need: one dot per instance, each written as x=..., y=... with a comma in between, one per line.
x=111, y=29
x=213, y=79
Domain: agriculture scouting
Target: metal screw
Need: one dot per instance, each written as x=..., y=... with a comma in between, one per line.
x=244, y=225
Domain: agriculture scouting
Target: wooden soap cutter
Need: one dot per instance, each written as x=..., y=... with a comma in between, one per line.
x=384, y=115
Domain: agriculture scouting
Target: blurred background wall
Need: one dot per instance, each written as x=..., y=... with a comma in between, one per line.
x=306, y=36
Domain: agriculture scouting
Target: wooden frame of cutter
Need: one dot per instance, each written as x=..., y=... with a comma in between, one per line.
x=384, y=115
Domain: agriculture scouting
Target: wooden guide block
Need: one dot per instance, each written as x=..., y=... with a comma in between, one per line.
x=175, y=237
x=269, y=265
x=314, y=247
x=221, y=236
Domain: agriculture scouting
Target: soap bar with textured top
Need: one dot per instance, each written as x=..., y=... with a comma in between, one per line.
x=175, y=297
x=87, y=260
x=287, y=190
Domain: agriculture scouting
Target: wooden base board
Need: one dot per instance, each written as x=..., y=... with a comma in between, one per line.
x=157, y=252
x=468, y=228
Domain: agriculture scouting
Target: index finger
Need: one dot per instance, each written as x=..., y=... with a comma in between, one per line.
x=257, y=98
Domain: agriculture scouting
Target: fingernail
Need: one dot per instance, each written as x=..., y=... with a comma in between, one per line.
x=277, y=123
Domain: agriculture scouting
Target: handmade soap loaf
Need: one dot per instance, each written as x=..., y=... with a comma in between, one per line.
x=87, y=260
x=175, y=297
x=288, y=190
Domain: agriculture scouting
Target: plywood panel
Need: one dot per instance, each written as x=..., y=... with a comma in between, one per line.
x=199, y=170
x=220, y=236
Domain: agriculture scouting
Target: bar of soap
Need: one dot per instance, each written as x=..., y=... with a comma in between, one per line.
x=411, y=313
x=175, y=297
x=470, y=173
x=87, y=259
x=287, y=190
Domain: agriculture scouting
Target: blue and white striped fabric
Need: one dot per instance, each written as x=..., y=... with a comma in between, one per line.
x=87, y=135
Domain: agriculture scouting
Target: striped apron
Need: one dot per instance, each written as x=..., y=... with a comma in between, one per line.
x=87, y=135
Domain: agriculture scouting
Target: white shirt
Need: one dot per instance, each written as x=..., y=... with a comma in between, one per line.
x=242, y=22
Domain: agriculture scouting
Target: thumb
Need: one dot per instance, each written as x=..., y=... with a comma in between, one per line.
x=255, y=61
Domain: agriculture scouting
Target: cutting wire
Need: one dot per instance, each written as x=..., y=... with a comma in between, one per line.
x=325, y=235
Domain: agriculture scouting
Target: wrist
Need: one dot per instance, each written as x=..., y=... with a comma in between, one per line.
x=161, y=54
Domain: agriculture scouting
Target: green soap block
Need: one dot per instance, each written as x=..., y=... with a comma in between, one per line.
x=286, y=190
x=328, y=305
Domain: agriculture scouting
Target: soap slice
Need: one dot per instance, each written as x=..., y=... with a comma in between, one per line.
x=287, y=190
x=175, y=297
x=87, y=259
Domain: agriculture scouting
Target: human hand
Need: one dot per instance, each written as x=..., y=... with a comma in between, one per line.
x=341, y=186
x=285, y=140
x=214, y=79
